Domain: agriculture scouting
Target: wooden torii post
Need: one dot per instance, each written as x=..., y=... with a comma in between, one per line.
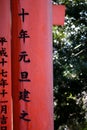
x=5, y=66
x=27, y=26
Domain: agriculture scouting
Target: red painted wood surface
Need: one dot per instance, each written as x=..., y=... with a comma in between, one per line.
x=33, y=98
x=5, y=66
x=38, y=25
x=58, y=14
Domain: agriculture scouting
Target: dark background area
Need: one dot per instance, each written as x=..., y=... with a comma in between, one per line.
x=70, y=67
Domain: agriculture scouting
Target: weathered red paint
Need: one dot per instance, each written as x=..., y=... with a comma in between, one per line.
x=58, y=14
x=38, y=25
x=39, y=47
x=5, y=31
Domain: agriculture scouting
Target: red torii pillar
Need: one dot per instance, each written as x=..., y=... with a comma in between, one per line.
x=32, y=76
x=34, y=17
x=38, y=113
x=6, y=118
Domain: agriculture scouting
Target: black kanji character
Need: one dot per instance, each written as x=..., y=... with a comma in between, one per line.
x=3, y=52
x=23, y=116
x=3, y=119
x=24, y=95
x=3, y=62
x=4, y=109
x=23, y=34
x=23, y=14
x=3, y=73
x=3, y=92
x=24, y=77
x=3, y=128
x=3, y=82
x=23, y=56
x=2, y=40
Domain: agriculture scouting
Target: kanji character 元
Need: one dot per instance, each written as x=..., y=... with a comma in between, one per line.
x=23, y=56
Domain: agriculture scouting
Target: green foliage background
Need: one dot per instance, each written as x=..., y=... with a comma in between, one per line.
x=70, y=66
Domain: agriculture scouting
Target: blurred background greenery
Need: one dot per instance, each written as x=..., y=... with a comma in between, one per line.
x=70, y=67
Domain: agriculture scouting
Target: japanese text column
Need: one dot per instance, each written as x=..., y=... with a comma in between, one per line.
x=32, y=64
x=5, y=66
